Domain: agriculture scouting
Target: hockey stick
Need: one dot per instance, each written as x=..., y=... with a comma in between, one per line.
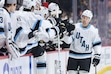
x=95, y=69
x=58, y=36
x=59, y=53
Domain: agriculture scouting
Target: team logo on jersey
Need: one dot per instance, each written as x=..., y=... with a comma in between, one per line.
x=6, y=69
x=19, y=19
x=82, y=41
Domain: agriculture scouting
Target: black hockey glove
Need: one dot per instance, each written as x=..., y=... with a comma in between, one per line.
x=37, y=51
x=96, y=59
x=70, y=28
x=62, y=28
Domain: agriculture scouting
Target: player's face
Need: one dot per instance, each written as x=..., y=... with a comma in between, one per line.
x=38, y=6
x=85, y=20
x=13, y=7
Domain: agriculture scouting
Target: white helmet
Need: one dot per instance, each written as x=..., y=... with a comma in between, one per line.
x=2, y=3
x=28, y=4
x=54, y=9
x=88, y=13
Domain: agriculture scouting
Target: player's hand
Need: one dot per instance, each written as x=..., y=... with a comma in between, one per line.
x=62, y=28
x=96, y=59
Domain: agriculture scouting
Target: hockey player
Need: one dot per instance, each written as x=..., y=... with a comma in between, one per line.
x=9, y=27
x=55, y=19
x=86, y=38
x=2, y=32
x=28, y=41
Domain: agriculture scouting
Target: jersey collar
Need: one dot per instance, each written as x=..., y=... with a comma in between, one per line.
x=85, y=27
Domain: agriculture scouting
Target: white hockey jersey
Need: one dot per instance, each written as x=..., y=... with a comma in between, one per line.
x=7, y=26
x=2, y=25
x=26, y=20
x=30, y=22
x=8, y=29
x=85, y=39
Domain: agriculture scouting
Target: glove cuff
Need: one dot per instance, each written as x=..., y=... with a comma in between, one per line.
x=97, y=56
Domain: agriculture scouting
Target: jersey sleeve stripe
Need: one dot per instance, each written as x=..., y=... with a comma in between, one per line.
x=97, y=43
x=18, y=31
x=1, y=29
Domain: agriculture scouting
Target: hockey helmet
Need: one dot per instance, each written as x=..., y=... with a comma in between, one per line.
x=28, y=4
x=54, y=9
x=2, y=3
x=88, y=13
x=10, y=1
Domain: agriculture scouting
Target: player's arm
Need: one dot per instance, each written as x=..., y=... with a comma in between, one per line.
x=97, y=49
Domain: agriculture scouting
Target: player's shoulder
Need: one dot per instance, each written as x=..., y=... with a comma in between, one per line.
x=93, y=29
x=2, y=10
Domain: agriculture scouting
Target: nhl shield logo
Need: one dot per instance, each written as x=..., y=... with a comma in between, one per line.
x=6, y=69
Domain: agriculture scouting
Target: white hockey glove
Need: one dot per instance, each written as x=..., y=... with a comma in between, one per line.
x=96, y=60
x=42, y=35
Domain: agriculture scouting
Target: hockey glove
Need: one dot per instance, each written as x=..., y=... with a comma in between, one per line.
x=37, y=51
x=96, y=59
x=70, y=28
x=62, y=28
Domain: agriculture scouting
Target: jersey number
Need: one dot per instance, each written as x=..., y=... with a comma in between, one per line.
x=1, y=20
